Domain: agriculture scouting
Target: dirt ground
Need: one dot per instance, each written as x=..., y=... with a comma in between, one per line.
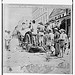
x=19, y=61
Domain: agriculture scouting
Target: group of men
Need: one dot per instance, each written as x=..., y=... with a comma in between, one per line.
x=54, y=39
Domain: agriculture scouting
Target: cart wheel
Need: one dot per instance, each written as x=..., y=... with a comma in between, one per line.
x=27, y=40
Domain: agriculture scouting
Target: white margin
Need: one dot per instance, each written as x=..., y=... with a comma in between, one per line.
x=63, y=2
x=57, y=2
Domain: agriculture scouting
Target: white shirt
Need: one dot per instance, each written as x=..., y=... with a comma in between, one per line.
x=63, y=36
x=34, y=26
x=51, y=35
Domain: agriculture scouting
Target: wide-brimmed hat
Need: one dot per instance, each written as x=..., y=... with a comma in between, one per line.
x=56, y=29
x=62, y=30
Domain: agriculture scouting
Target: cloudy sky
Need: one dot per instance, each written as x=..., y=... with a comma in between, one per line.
x=12, y=14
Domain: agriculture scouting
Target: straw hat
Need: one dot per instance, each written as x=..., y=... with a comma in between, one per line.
x=56, y=29
x=62, y=30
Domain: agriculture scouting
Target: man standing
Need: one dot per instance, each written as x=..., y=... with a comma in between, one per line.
x=62, y=41
x=41, y=34
x=34, y=32
x=56, y=41
x=51, y=36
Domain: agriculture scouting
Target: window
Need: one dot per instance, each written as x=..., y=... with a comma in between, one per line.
x=62, y=15
x=66, y=11
x=69, y=12
x=59, y=16
x=55, y=17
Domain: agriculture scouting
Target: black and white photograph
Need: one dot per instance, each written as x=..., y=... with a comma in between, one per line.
x=37, y=38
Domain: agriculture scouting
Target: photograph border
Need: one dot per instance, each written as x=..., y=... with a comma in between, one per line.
x=35, y=4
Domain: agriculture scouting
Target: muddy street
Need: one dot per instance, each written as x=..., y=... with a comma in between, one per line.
x=21, y=61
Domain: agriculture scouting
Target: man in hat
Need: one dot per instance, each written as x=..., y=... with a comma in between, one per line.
x=41, y=34
x=34, y=31
x=56, y=41
x=51, y=40
x=62, y=41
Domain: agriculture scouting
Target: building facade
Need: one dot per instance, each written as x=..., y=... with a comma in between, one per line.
x=61, y=18
x=40, y=14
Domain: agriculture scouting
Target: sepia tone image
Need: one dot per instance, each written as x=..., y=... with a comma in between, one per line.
x=37, y=39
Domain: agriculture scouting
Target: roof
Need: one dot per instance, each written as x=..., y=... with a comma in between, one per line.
x=56, y=12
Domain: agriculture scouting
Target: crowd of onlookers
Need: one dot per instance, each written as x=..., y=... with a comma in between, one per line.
x=54, y=40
